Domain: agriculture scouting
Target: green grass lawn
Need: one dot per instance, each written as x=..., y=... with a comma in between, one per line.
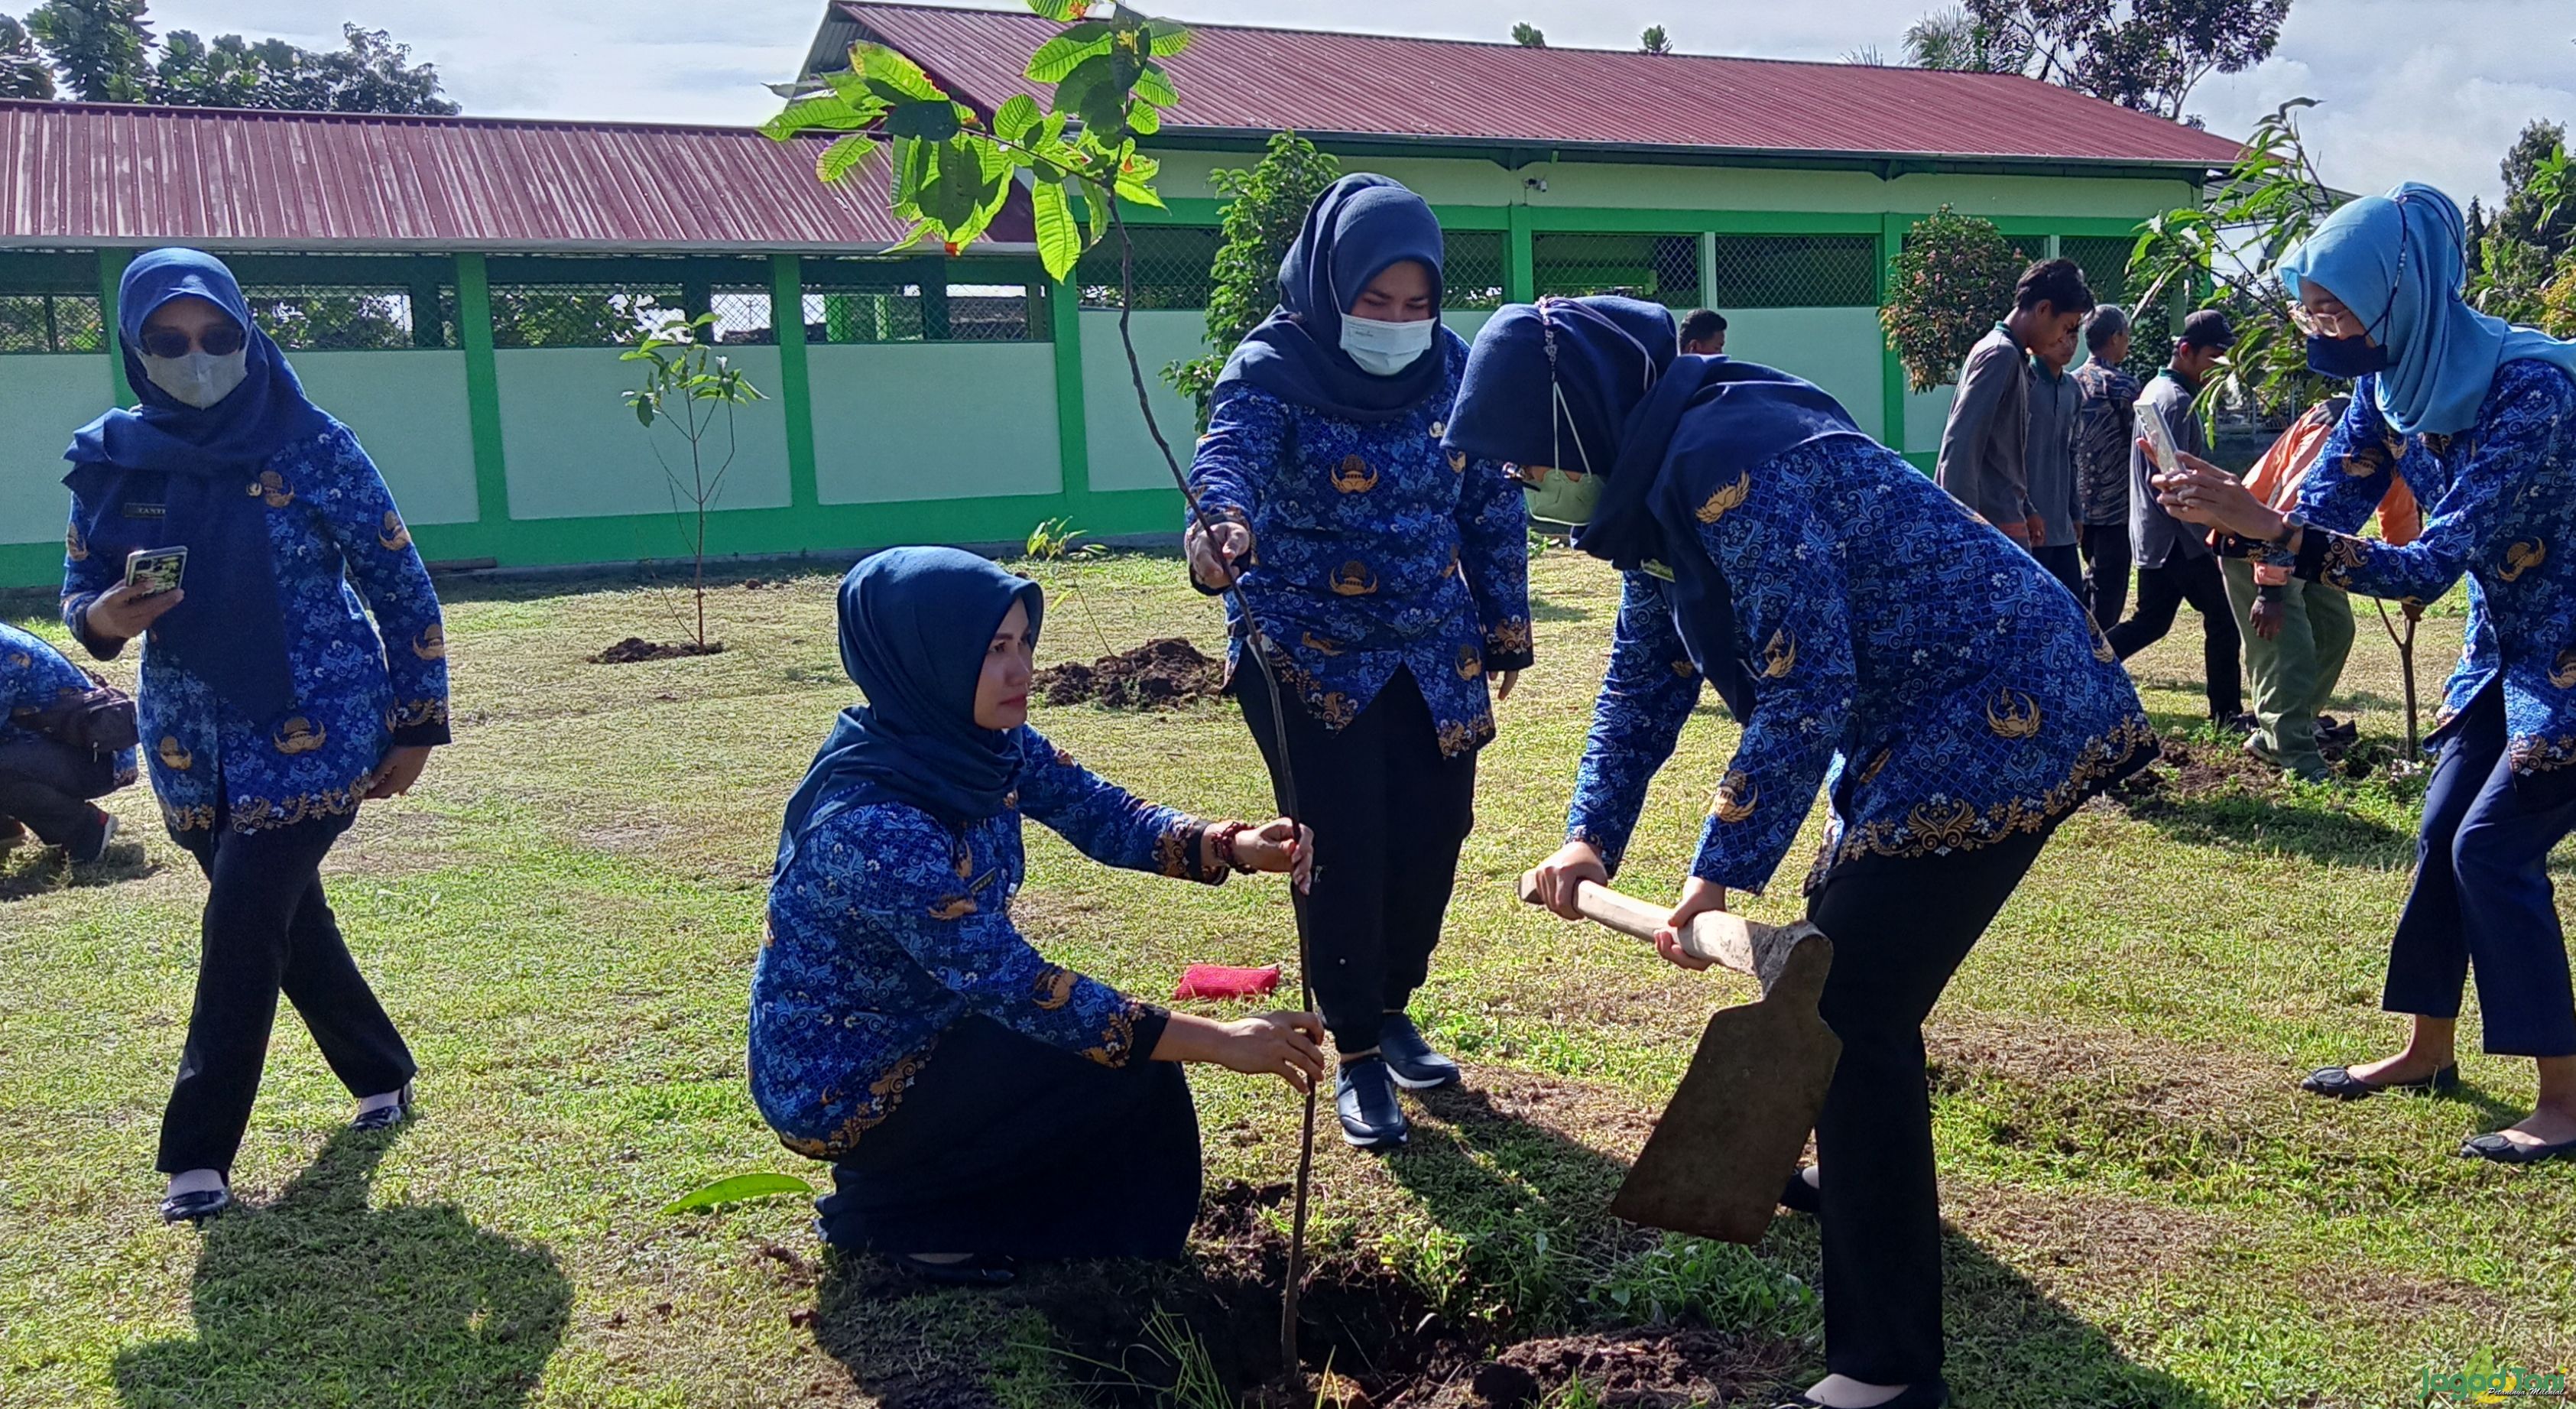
x=2143, y=1210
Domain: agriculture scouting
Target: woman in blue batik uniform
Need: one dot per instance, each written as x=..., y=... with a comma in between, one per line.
x=1875, y=639
x=2479, y=419
x=270, y=707
x=1392, y=582
x=980, y=1104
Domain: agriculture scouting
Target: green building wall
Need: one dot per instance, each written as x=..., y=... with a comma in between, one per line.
x=526, y=456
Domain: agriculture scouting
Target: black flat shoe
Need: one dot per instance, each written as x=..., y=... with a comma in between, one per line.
x=1364, y=1098
x=197, y=1206
x=1933, y=1393
x=981, y=1270
x=1410, y=1059
x=1799, y=1196
x=386, y=1117
x=2503, y=1151
x=2340, y=1083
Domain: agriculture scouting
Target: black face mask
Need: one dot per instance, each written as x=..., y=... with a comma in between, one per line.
x=2347, y=359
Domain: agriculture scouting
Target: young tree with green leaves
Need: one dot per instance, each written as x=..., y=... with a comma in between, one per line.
x=1265, y=207
x=688, y=387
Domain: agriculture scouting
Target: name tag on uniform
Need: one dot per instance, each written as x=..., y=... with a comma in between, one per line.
x=146, y=511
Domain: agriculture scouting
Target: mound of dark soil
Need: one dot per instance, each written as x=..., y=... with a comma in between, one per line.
x=2193, y=769
x=636, y=648
x=1164, y=674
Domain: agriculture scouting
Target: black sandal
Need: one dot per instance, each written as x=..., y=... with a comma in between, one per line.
x=197, y=1205
x=2494, y=1146
x=2341, y=1084
x=978, y=1270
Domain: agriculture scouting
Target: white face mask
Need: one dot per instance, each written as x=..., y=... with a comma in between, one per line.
x=199, y=379
x=1384, y=349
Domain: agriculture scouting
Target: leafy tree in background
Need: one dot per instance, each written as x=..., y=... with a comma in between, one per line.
x=1529, y=36
x=104, y=51
x=1654, y=41
x=23, y=72
x=2143, y=54
x=1866, y=56
x=1953, y=279
x=1956, y=40
x=1265, y=206
x=2529, y=188
x=101, y=48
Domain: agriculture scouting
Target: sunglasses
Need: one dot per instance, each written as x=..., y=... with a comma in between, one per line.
x=167, y=344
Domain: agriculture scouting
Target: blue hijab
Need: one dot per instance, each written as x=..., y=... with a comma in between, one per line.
x=1355, y=231
x=165, y=474
x=2397, y=262
x=1642, y=416
x=915, y=623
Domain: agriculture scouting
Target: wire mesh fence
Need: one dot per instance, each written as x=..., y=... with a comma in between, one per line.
x=1471, y=269
x=2105, y=262
x=743, y=314
x=353, y=317
x=858, y=302
x=1795, y=271
x=579, y=315
x=1658, y=268
x=51, y=322
x=1171, y=267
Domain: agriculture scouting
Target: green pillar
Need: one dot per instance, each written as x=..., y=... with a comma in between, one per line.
x=1891, y=242
x=1072, y=419
x=795, y=380
x=482, y=390
x=1520, y=267
x=111, y=272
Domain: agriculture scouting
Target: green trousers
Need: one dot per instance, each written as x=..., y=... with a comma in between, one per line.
x=2294, y=673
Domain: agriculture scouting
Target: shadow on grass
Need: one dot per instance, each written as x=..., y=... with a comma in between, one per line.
x=321, y=1298
x=31, y=869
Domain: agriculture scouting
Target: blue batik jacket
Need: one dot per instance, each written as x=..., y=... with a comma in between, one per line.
x=342, y=553
x=1906, y=657
x=1374, y=550
x=2499, y=504
x=888, y=926
x=34, y=677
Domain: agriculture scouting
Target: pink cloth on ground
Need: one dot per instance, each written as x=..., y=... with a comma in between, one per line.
x=1218, y=981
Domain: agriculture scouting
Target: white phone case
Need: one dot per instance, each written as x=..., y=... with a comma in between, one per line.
x=2159, y=438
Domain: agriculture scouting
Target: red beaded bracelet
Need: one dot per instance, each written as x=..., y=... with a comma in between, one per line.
x=1225, y=836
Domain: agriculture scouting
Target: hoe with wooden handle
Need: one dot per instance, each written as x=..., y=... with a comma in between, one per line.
x=1730, y=1137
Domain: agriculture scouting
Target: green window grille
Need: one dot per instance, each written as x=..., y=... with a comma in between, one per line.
x=742, y=313
x=579, y=315
x=1471, y=269
x=353, y=317
x=872, y=301
x=1658, y=268
x=65, y=321
x=1171, y=267
x=2105, y=262
x=1796, y=271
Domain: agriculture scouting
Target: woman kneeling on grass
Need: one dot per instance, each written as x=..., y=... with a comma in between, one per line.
x=1875, y=639
x=980, y=1104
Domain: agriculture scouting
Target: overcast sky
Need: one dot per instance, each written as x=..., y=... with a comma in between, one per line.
x=2430, y=90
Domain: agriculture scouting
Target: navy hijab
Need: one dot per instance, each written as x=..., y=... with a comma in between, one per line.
x=915, y=623
x=1355, y=231
x=165, y=473
x=1599, y=385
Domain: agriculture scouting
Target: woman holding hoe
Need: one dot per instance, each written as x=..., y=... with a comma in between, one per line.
x=980, y=1104
x=1392, y=582
x=2479, y=420
x=1874, y=639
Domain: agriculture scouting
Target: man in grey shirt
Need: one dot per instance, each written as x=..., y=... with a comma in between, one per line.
x=1985, y=444
x=2050, y=456
x=2175, y=562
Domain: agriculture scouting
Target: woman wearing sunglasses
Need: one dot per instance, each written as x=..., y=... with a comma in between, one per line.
x=2478, y=418
x=270, y=706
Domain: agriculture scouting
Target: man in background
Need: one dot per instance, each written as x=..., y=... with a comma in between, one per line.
x=2050, y=461
x=1704, y=333
x=2175, y=562
x=2106, y=429
x=1985, y=445
x=2298, y=634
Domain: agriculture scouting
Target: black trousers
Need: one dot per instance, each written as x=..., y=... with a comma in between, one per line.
x=1900, y=928
x=268, y=931
x=1390, y=813
x=2161, y=592
x=2482, y=897
x=2065, y=563
x=48, y=784
x=2107, y=557
x=1006, y=1145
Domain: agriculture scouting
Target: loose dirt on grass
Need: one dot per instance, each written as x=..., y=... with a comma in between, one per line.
x=1161, y=674
x=635, y=650
x=2192, y=769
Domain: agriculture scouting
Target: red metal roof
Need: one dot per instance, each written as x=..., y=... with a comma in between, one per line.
x=1358, y=85
x=112, y=174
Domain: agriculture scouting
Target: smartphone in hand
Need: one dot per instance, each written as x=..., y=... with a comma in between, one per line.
x=153, y=571
x=2159, y=437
